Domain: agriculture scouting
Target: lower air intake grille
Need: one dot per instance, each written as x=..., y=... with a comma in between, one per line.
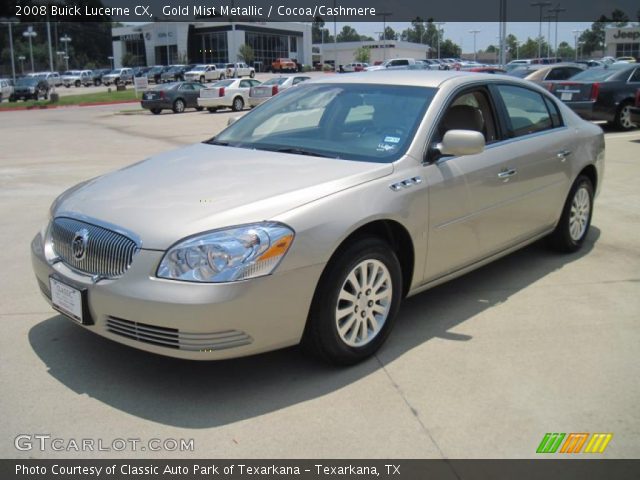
x=174, y=338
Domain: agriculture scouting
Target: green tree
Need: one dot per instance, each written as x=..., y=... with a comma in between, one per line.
x=449, y=49
x=389, y=34
x=420, y=32
x=566, y=51
x=320, y=34
x=246, y=53
x=348, y=34
x=592, y=39
x=362, y=54
x=511, y=42
x=491, y=49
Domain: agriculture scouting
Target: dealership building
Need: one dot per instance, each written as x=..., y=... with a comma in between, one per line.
x=210, y=42
x=622, y=42
x=342, y=53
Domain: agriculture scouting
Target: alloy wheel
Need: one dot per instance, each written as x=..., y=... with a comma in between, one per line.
x=364, y=303
x=579, y=216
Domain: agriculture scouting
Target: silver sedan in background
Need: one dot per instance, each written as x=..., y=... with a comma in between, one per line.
x=309, y=219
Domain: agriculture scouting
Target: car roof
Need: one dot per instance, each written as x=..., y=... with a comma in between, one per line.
x=422, y=78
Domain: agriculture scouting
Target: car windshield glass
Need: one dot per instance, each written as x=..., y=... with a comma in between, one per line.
x=365, y=122
x=223, y=83
x=199, y=68
x=276, y=81
x=520, y=72
x=597, y=74
x=27, y=81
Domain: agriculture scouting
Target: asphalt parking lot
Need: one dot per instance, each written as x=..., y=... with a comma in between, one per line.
x=481, y=367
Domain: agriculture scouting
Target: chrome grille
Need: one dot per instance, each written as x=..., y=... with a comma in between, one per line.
x=174, y=338
x=108, y=253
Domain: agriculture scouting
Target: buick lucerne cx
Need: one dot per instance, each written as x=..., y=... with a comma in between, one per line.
x=309, y=219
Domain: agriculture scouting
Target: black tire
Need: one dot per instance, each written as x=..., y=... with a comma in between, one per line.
x=97, y=83
x=116, y=82
x=252, y=74
x=212, y=109
x=77, y=83
x=561, y=239
x=222, y=77
x=238, y=104
x=199, y=109
x=156, y=111
x=321, y=337
x=179, y=106
x=202, y=80
x=68, y=85
x=623, y=117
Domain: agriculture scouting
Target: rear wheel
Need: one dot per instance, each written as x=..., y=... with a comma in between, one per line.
x=212, y=109
x=199, y=109
x=238, y=104
x=355, y=304
x=202, y=79
x=623, y=117
x=156, y=111
x=222, y=77
x=178, y=106
x=252, y=74
x=573, y=227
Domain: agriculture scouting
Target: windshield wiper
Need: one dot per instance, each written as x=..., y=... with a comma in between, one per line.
x=213, y=141
x=302, y=151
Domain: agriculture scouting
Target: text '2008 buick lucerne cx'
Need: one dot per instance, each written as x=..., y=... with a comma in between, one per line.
x=309, y=219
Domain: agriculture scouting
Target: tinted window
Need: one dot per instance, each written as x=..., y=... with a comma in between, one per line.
x=556, y=119
x=636, y=76
x=526, y=109
x=598, y=74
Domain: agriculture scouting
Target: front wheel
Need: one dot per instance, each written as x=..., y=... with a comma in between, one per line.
x=355, y=303
x=212, y=109
x=238, y=104
x=156, y=111
x=252, y=74
x=573, y=227
x=202, y=80
x=199, y=109
x=178, y=106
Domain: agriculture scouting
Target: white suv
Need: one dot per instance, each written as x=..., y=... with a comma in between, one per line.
x=205, y=73
x=77, y=78
x=237, y=70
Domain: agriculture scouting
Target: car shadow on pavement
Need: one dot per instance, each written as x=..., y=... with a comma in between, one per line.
x=193, y=394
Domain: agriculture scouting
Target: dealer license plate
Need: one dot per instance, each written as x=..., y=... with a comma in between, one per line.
x=566, y=96
x=66, y=299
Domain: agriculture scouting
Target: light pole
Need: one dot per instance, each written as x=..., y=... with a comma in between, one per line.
x=557, y=12
x=541, y=5
x=439, y=31
x=575, y=41
x=9, y=22
x=60, y=55
x=384, y=33
x=22, y=58
x=66, y=39
x=30, y=34
x=110, y=58
x=475, y=52
x=548, y=18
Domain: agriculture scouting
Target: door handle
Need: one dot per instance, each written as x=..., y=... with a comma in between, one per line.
x=507, y=172
x=562, y=154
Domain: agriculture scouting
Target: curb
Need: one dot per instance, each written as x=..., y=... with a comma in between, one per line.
x=50, y=107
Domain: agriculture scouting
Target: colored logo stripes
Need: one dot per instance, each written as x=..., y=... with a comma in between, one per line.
x=573, y=442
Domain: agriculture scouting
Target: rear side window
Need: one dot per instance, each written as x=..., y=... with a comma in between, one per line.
x=556, y=119
x=526, y=109
x=636, y=76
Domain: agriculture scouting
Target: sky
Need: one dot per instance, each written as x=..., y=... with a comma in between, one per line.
x=458, y=32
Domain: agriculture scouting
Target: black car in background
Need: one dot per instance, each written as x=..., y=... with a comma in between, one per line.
x=96, y=75
x=175, y=73
x=605, y=93
x=176, y=96
x=30, y=88
x=155, y=73
x=140, y=71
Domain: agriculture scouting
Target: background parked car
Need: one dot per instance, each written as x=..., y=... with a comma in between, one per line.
x=77, y=78
x=176, y=73
x=231, y=93
x=237, y=70
x=176, y=96
x=205, y=73
x=606, y=93
x=30, y=88
x=392, y=63
x=155, y=73
x=354, y=67
x=97, y=75
x=280, y=65
x=272, y=87
x=6, y=88
x=546, y=73
x=635, y=110
x=118, y=76
x=53, y=78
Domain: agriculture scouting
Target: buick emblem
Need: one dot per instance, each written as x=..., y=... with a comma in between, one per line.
x=79, y=244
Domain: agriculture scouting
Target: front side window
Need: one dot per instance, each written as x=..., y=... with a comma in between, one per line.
x=470, y=110
x=362, y=122
x=526, y=110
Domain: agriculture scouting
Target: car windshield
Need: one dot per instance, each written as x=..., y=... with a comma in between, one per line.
x=599, y=74
x=276, y=81
x=223, y=83
x=27, y=81
x=364, y=122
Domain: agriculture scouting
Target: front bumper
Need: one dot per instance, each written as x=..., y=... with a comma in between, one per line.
x=208, y=102
x=190, y=320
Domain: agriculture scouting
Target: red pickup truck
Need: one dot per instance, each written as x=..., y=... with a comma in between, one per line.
x=280, y=65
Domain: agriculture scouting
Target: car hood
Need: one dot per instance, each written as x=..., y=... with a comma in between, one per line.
x=203, y=187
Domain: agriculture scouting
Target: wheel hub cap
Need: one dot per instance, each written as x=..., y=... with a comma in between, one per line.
x=363, y=303
x=579, y=217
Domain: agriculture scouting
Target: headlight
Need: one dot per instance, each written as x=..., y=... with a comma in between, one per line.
x=227, y=255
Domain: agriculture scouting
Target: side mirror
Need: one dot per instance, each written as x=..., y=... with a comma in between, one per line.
x=461, y=142
x=232, y=120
